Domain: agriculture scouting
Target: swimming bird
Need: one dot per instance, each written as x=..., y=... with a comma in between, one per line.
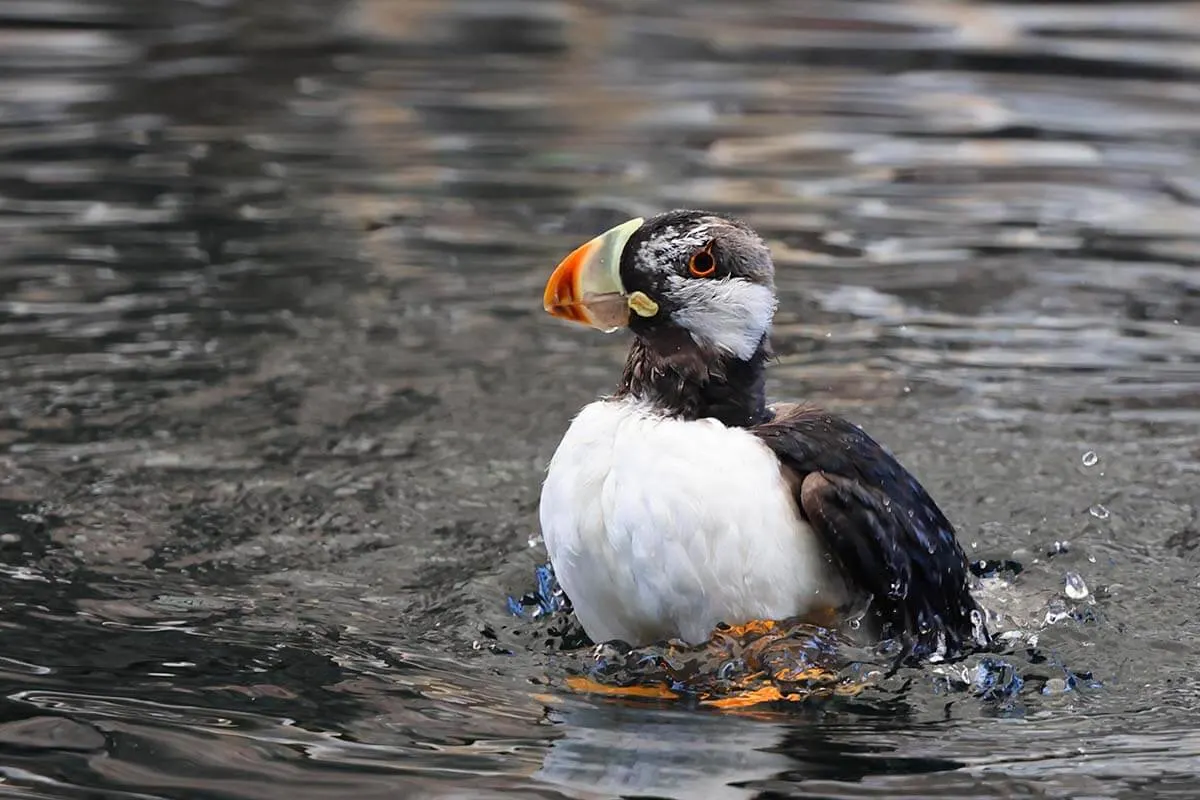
x=685, y=501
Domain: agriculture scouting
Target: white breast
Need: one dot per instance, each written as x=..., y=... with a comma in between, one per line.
x=660, y=528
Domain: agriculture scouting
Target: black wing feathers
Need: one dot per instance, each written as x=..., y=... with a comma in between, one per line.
x=887, y=534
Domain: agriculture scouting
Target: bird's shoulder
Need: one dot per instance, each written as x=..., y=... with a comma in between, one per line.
x=813, y=439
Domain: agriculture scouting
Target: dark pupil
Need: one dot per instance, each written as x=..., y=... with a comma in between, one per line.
x=702, y=262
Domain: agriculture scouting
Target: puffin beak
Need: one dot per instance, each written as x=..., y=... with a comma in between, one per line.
x=586, y=287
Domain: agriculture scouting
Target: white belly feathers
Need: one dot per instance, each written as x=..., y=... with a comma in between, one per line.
x=659, y=528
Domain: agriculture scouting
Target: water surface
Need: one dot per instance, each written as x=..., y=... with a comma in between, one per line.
x=276, y=392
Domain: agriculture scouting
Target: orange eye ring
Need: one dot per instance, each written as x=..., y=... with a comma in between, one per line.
x=702, y=264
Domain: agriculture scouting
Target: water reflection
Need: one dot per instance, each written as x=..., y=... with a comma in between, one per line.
x=276, y=395
x=620, y=752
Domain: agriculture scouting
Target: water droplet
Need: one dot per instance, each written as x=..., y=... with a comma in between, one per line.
x=977, y=626
x=1090, y=459
x=1075, y=588
x=1098, y=511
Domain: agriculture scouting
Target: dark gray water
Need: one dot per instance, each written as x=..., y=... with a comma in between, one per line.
x=276, y=391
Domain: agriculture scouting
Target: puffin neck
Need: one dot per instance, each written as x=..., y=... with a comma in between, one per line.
x=684, y=380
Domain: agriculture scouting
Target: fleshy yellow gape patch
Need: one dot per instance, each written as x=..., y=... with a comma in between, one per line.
x=642, y=305
x=756, y=663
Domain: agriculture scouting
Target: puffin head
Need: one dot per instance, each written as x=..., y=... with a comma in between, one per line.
x=682, y=272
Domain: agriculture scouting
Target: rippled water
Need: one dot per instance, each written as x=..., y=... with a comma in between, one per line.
x=276, y=391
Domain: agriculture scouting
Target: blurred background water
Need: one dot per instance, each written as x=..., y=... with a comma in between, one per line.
x=276, y=391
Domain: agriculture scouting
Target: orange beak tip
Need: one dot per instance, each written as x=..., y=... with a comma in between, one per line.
x=563, y=287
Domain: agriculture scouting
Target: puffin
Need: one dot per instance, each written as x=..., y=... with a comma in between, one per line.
x=684, y=503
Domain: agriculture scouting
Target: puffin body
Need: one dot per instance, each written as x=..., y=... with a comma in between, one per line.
x=684, y=501
x=660, y=527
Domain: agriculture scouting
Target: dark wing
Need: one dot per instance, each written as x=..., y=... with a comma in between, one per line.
x=883, y=529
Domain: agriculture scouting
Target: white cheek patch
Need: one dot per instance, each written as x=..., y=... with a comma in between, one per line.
x=731, y=315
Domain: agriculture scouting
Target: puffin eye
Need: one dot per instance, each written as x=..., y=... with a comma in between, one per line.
x=702, y=264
